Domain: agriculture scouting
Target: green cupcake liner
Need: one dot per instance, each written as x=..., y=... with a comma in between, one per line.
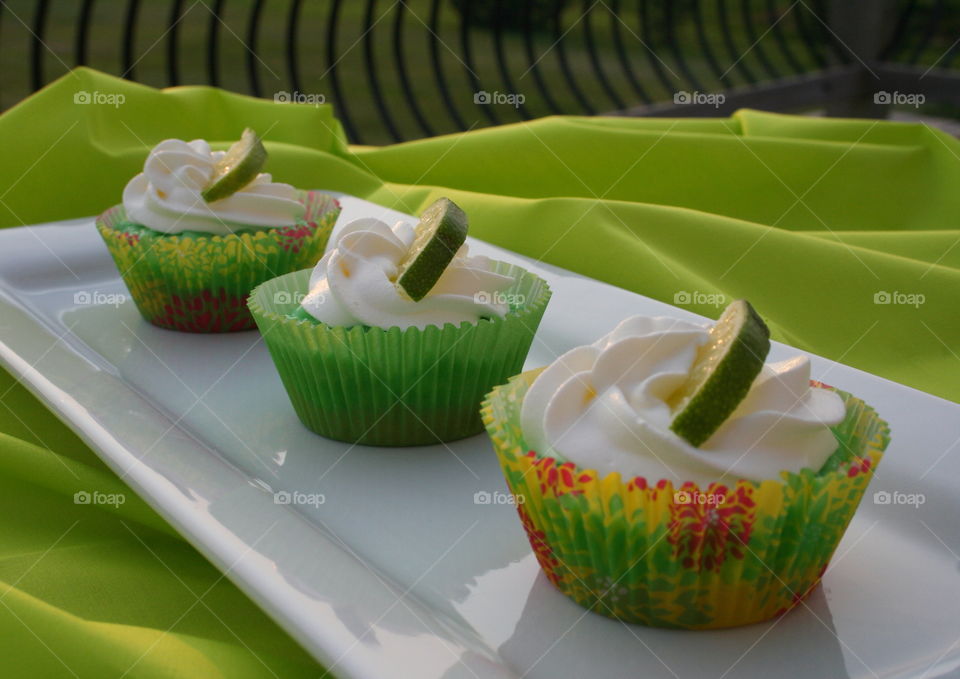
x=196, y=282
x=395, y=387
x=682, y=556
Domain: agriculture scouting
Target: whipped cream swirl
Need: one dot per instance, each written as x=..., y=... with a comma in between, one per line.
x=604, y=406
x=355, y=283
x=166, y=195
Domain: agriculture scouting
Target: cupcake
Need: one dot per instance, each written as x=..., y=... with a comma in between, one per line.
x=667, y=475
x=199, y=229
x=397, y=334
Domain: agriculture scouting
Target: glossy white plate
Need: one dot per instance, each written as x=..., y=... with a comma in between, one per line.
x=399, y=572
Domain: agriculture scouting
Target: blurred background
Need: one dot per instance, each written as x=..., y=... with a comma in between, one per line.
x=401, y=70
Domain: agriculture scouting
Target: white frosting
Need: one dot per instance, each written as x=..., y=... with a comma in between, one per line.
x=166, y=196
x=604, y=406
x=354, y=283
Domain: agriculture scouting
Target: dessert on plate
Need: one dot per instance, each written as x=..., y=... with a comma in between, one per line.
x=397, y=334
x=199, y=229
x=668, y=475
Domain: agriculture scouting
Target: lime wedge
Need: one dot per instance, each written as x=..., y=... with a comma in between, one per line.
x=240, y=166
x=722, y=374
x=440, y=233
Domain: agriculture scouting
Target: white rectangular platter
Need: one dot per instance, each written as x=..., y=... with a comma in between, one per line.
x=398, y=572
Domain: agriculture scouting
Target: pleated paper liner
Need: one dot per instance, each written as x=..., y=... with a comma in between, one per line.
x=200, y=283
x=395, y=387
x=684, y=557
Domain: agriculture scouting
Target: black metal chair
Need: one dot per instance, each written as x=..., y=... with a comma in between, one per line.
x=402, y=70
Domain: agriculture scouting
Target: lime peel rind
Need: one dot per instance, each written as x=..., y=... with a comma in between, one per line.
x=441, y=233
x=240, y=166
x=725, y=369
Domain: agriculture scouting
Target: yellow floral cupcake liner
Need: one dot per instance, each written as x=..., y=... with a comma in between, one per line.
x=196, y=282
x=393, y=387
x=684, y=556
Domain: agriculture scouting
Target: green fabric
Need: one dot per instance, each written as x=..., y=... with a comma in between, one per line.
x=809, y=218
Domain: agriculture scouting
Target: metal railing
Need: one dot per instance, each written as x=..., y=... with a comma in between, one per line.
x=401, y=70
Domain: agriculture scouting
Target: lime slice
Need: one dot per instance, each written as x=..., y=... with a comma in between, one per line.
x=722, y=374
x=440, y=233
x=240, y=166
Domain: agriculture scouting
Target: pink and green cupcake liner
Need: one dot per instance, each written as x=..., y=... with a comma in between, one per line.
x=196, y=282
x=684, y=556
